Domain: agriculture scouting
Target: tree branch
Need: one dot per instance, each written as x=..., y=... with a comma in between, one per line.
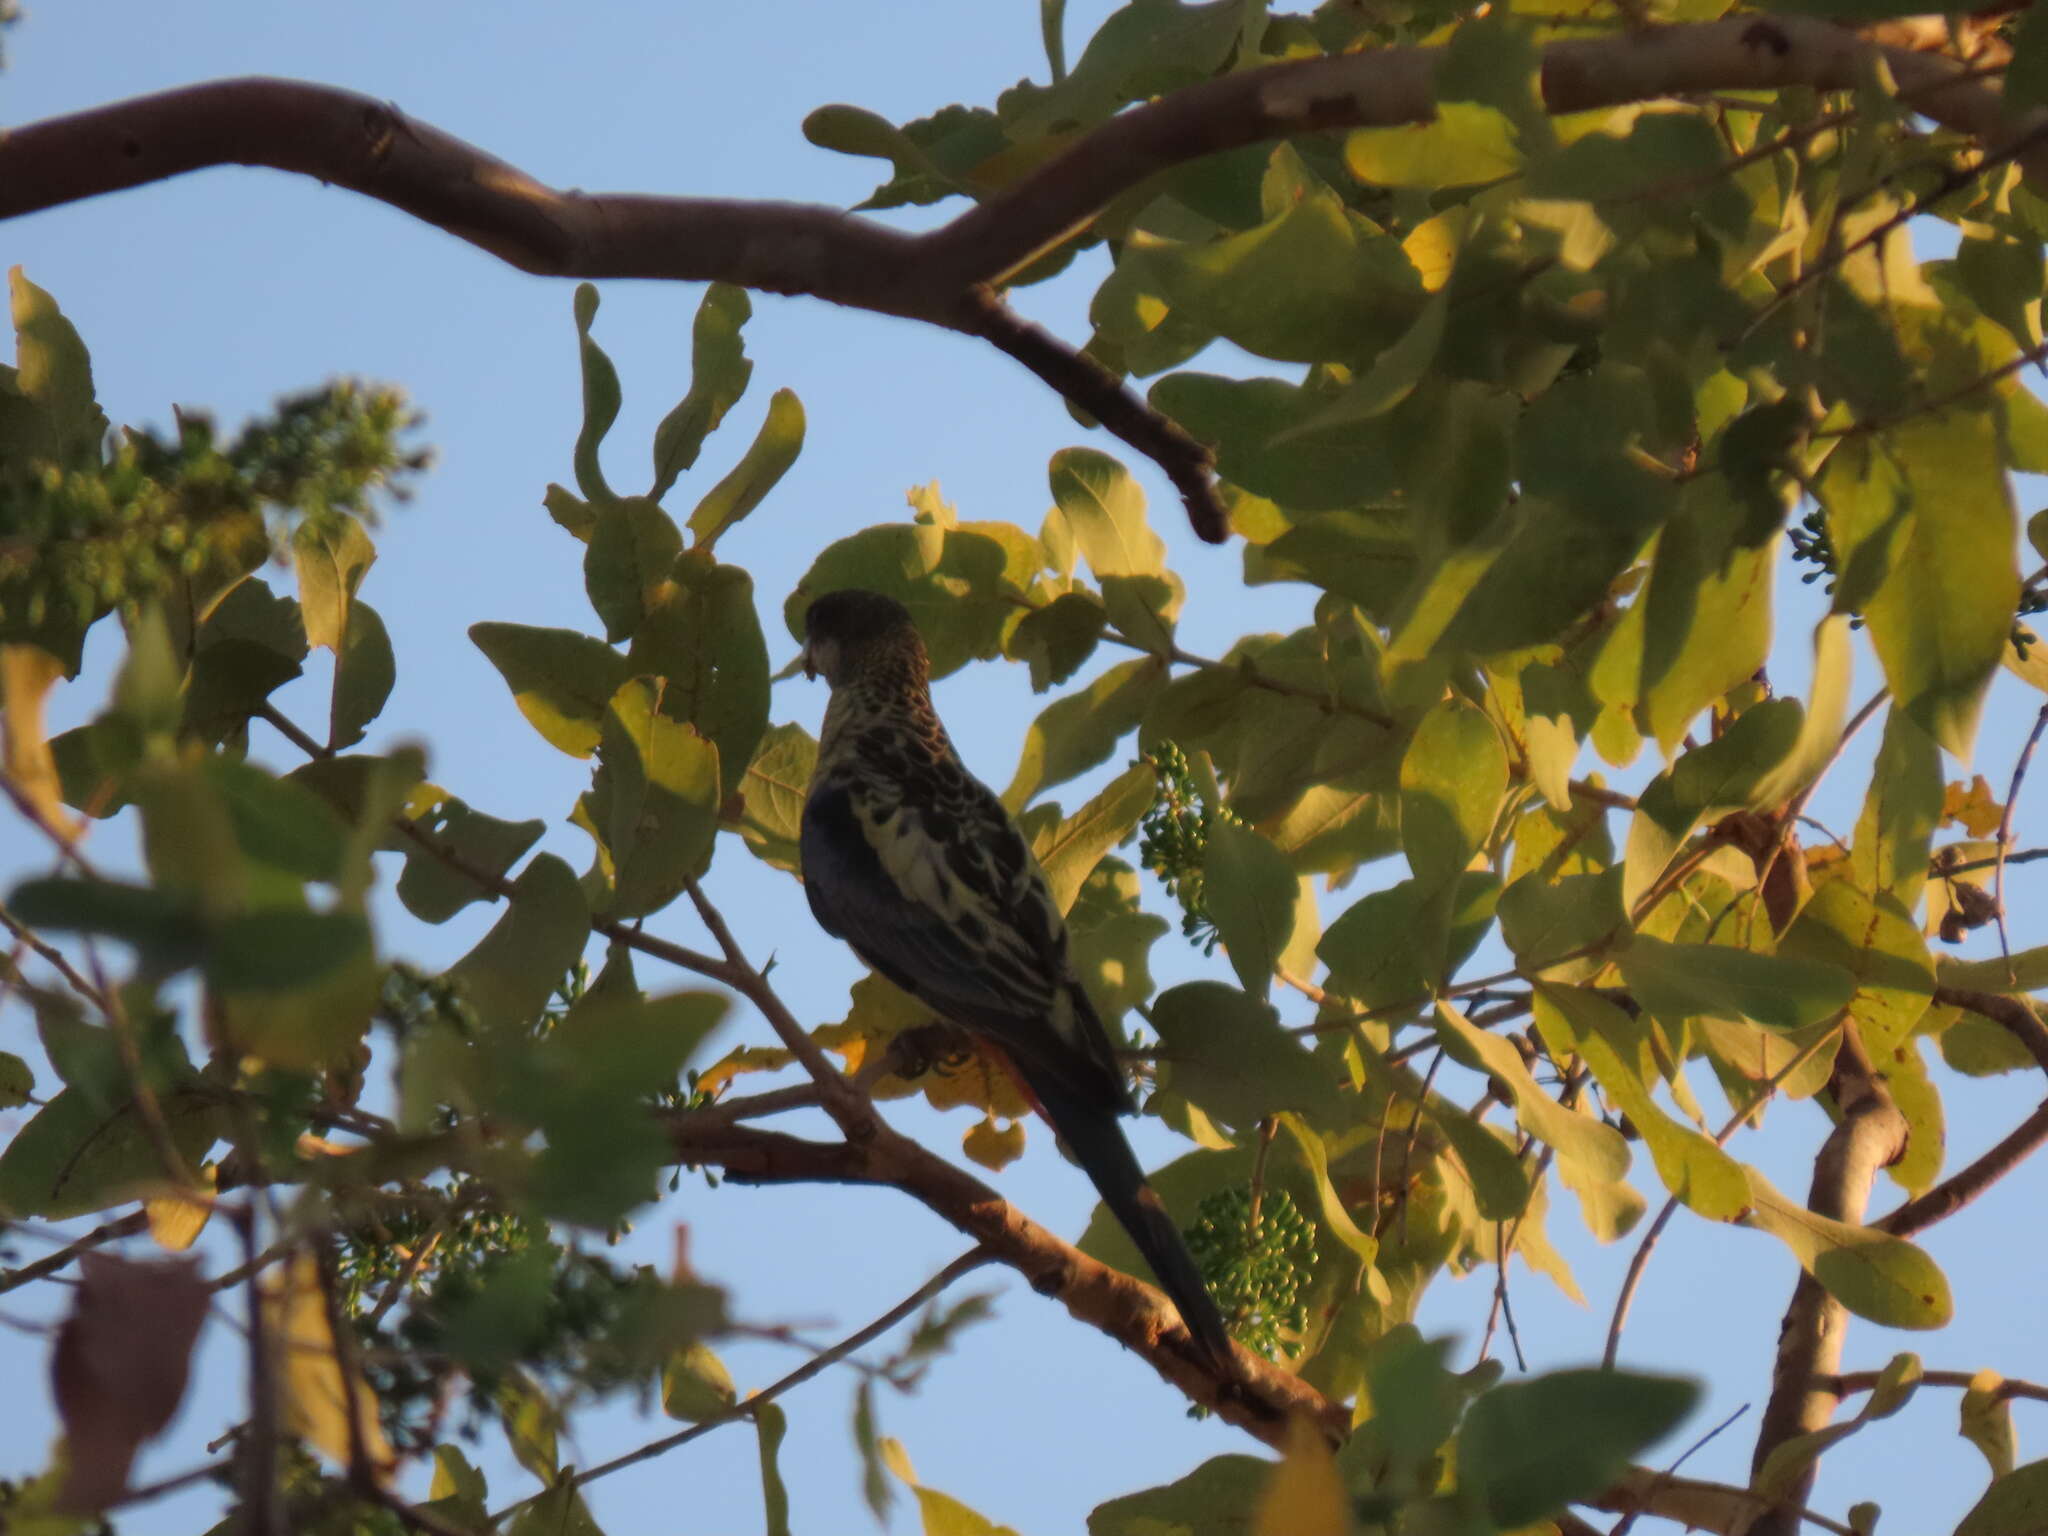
x=1870, y=1133
x=943, y=277
x=969, y=1261
x=1850, y=1382
x=49, y=1264
x=1259, y=1398
x=2009, y=1013
x=1952, y=1194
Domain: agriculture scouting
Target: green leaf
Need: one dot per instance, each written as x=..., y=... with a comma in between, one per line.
x=633, y=549
x=2015, y=1505
x=1106, y=512
x=1058, y=638
x=1616, y=1049
x=562, y=681
x=1528, y=1448
x=1069, y=852
x=1901, y=809
x=1875, y=1275
x=770, y=1425
x=531, y=1422
x=1924, y=523
x=331, y=554
x=160, y=926
x=1392, y=377
x=1987, y=1422
x=1878, y=943
x=364, y=672
x=1326, y=470
x=774, y=789
x=1315, y=1161
x=513, y=970
x=1111, y=939
x=1466, y=144
x=2026, y=971
x=1500, y=1185
x=664, y=783
x=458, y=1492
x=1318, y=281
x=600, y=399
x=695, y=1385
x=919, y=178
x=431, y=888
x=1681, y=981
x=1251, y=894
x=1577, y=1137
x=1140, y=50
x=965, y=585
x=2026, y=77
x=1222, y=1494
x=558, y=1510
x=1376, y=949
x=703, y=638
x=766, y=461
x=1707, y=623
x=1077, y=732
x=250, y=645
x=17, y=1081
x=73, y=1158
x=53, y=373
x=1452, y=779
x=1228, y=1054
x=282, y=950
x=1542, y=922
x=590, y=1089
x=719, y=371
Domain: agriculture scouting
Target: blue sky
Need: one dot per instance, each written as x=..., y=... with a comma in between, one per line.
x=226, y=289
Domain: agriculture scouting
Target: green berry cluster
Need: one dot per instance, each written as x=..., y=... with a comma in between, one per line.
x=412, y=999
x=1174, y=837
x=1812, y=546
x=1255, y=1265
x=79, y=539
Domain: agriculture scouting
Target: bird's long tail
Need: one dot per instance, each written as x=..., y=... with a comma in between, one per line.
x=1097, y=1141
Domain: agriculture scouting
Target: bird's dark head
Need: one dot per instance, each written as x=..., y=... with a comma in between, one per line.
x=846, y=633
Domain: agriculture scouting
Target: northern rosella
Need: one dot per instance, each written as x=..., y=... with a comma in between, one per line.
x=916, y=864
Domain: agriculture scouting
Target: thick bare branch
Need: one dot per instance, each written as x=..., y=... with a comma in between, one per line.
x=942, y=277
x=1957, y=1191
x=1870, y=1133
x=1261, y=1397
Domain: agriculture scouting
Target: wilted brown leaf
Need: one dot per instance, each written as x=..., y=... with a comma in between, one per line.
x=120, y=1366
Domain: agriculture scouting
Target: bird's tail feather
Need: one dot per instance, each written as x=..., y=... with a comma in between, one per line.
x=1093, y=1135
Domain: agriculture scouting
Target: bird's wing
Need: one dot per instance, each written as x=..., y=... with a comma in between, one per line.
x=940, y=894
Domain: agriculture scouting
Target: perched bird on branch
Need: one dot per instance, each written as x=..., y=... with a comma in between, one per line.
x=915, y=863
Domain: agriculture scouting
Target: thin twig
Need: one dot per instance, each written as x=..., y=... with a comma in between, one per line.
x=49, y=1264
x=1850, y=1382
x=258, y=1448
x=1627, y=1522
x=1952, y=1194
x=2012, y=797
x=2024, y=856
x=53, y=957
x=66, y=843
x=969, y=1261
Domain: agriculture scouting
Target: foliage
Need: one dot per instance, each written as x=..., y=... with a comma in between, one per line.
x=1546, y=408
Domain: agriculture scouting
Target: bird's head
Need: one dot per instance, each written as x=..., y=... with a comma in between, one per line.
x=846, y=633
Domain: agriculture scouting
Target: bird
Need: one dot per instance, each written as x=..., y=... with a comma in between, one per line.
x=920, y=869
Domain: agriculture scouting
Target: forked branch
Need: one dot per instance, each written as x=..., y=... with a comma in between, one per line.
x=944, y=277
